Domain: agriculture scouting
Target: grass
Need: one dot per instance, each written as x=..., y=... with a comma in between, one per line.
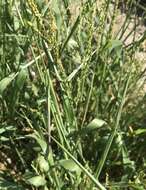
x=71, y=97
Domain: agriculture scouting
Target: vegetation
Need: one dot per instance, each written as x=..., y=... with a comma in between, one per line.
x=71, y=97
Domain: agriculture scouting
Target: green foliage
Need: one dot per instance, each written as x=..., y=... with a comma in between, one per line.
x=5, y=82
x=37, y=181
x=72, y=105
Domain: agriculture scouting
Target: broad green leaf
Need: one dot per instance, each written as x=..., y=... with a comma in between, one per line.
x=137, y=187
x=5, y=82
x=35, y=90
x=43, y=164
x=40, y=141
x=95, y=124
x=2, y=138
x=42, y=144
x=116, y=46
x=6, y=128
x=37, y=181
x=127, y=162
x=139, y=131
x=72, y=43
x=69, y=165
x=94, y=180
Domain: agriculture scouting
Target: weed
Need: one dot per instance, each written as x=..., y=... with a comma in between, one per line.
x=71, y=97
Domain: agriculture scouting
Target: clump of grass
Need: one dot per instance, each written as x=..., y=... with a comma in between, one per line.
x=71, y=98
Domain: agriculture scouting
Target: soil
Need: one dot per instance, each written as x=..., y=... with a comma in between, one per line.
x=135, y=34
